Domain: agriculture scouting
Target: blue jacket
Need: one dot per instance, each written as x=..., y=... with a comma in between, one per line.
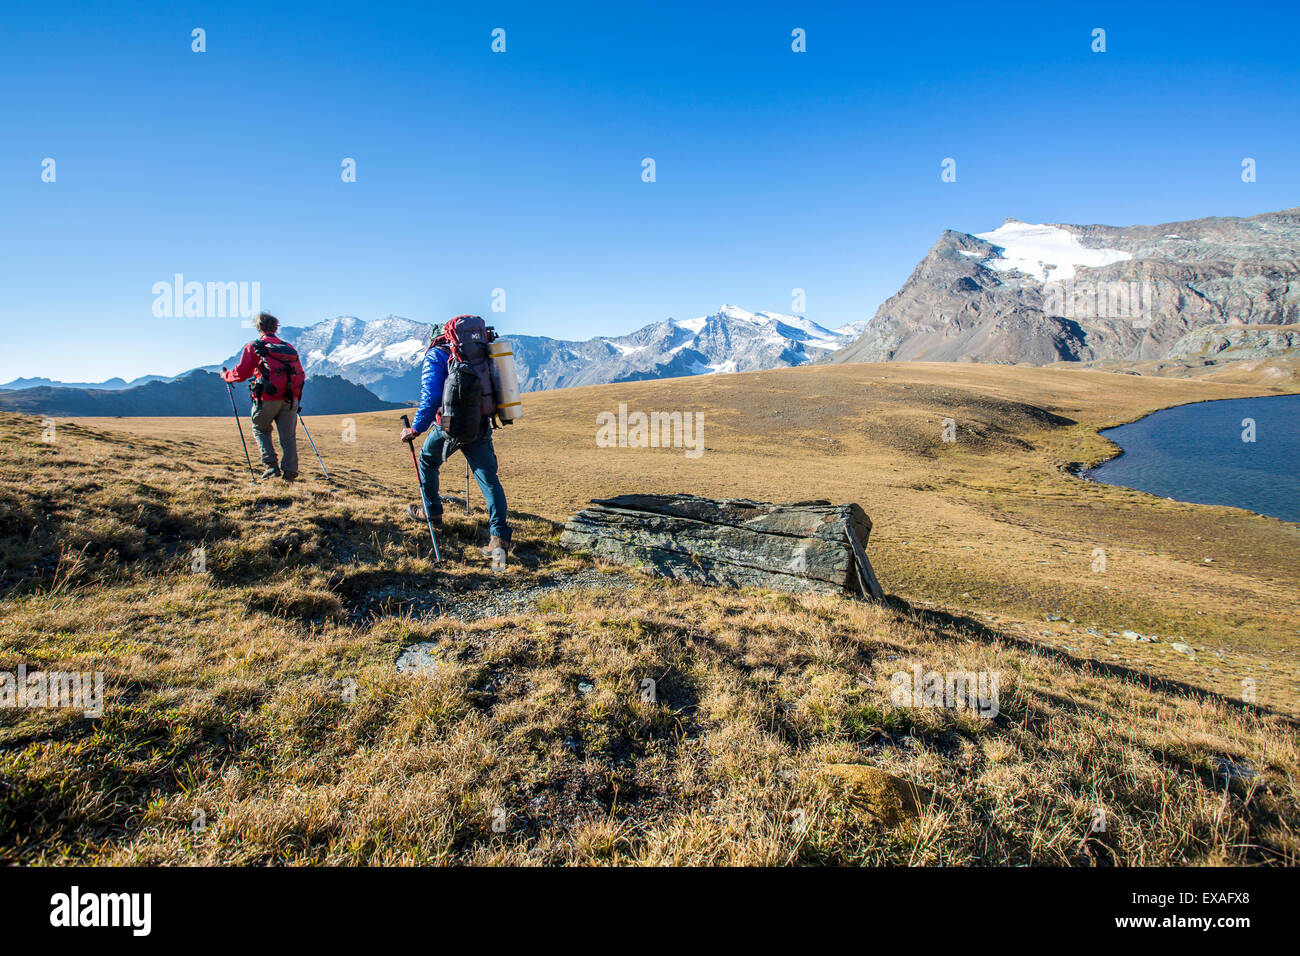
x=432, y=377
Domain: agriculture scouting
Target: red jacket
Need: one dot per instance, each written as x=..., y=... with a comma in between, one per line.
x=283, y=360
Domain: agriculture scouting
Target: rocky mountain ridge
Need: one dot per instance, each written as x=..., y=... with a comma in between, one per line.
x=1059, y=292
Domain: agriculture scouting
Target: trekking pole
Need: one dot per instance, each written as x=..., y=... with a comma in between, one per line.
x=468, y=510
x=231, y=390
x=313, y=445
x=437, y=558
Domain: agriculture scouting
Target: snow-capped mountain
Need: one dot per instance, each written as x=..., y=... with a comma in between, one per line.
x=1060, y=292
x=384, y=355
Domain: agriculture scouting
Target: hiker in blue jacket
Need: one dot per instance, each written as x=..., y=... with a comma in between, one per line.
x=480, y=453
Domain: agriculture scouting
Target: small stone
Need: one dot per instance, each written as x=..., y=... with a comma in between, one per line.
x=882, y=797
x=1234, y=769
x=1182, y=648
x=419, y=658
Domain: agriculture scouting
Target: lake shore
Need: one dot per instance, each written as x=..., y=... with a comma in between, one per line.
x=1230, y=452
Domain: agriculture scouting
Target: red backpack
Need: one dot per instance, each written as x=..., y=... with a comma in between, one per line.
x=279, y=372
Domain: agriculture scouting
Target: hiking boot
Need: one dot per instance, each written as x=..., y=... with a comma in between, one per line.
x=270, y=473
x=290, y=476
x=494, y=545
x=416, y=513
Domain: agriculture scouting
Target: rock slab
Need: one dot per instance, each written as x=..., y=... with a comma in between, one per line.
x=808, y=546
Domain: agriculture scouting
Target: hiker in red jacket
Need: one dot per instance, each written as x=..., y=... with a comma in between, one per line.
x=276, y=387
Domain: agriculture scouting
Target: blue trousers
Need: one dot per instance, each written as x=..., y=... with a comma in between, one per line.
x=482, y=458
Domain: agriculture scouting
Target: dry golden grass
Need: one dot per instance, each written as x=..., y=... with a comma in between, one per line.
x=263, y=693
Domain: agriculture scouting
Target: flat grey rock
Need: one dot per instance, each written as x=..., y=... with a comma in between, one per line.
x=810, y=546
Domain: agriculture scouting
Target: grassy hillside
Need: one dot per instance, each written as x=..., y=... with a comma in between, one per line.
x=262, y=690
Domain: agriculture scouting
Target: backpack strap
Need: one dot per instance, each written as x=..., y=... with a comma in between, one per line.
x=452, y=333
x=260, y=350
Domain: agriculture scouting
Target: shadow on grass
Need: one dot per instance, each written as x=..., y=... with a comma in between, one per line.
x=966, y=626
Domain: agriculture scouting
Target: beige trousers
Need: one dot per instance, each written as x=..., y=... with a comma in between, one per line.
x=284, y=416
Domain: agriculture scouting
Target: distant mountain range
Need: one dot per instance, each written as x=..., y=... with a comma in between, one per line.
x=357, y=366
x=111, y=384
x=1049, y=293
x=1202, y=291
x=385, y=354
x=195, y=393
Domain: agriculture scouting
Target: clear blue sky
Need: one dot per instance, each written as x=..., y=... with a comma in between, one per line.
x=522, y=170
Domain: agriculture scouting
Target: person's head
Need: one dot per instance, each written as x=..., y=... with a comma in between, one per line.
x=267, y=324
